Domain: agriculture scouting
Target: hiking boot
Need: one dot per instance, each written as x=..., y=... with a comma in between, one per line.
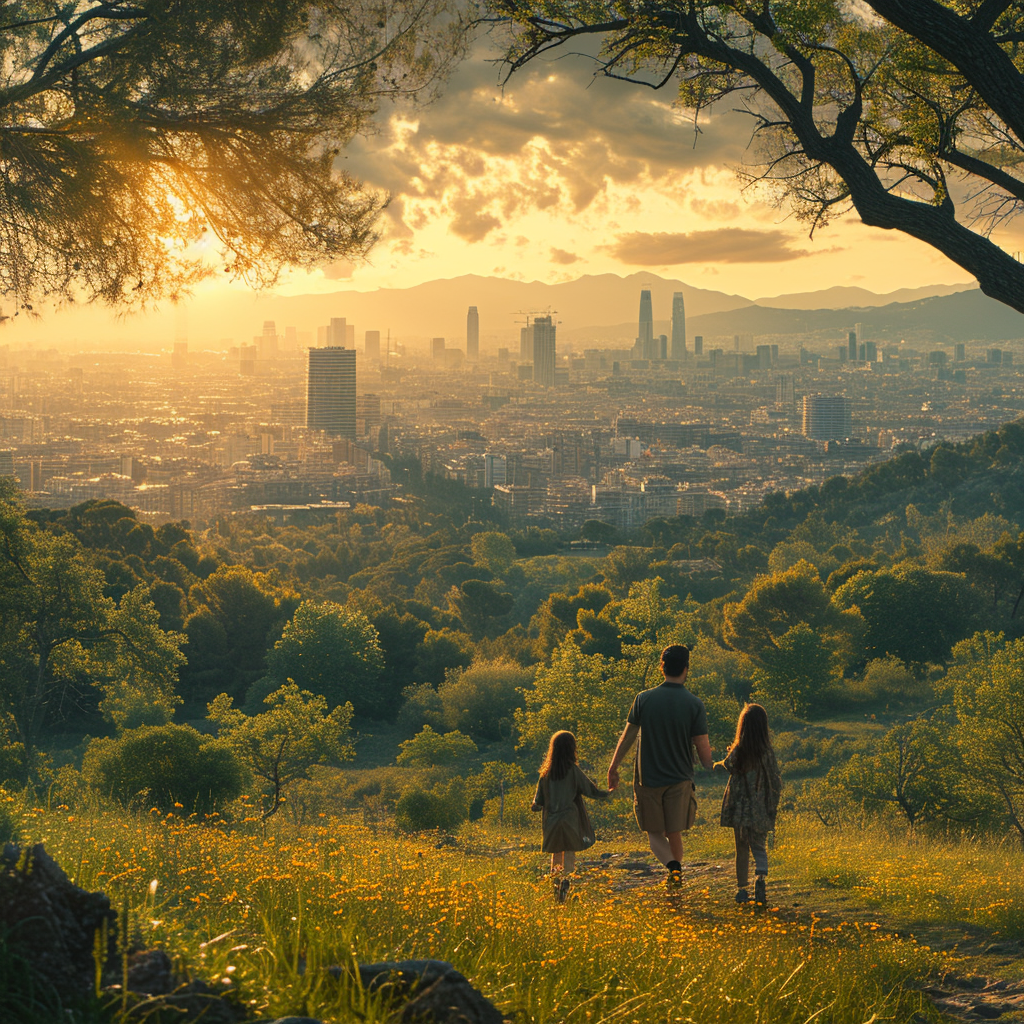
x=563, y=889
x=742, y=896
x=760, y=894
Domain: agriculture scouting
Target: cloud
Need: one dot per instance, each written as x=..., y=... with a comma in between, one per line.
x=340, y=271
x=561, y=256
x=724, y=245
x=554, y=138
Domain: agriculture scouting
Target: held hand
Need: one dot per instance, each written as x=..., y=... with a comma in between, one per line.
x=613, y=778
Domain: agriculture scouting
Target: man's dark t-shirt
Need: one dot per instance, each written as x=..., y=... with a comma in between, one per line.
x=669, y=717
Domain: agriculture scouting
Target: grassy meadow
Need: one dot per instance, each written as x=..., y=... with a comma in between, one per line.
x=860, y=920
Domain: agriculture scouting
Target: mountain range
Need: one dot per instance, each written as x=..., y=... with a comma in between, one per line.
x=601, y=309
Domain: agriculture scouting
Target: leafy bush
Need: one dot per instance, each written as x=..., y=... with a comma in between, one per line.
x=429, y=749
x=888, y=680
x=422, y=707
x=443, y=807
x=517, y=809
x=481, y=700
x=170, y=763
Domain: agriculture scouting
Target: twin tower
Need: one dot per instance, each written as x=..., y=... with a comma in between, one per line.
x=649, y=346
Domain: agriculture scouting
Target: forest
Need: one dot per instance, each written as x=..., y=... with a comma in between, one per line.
x=409, y=663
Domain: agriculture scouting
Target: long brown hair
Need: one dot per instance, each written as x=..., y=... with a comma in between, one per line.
x=753, y=743
x=561, y=756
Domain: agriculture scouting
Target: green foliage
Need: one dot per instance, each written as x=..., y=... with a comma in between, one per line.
x=429, y=749
x=443, y=807
x=987, y=680
x=283, y=743
x=478, y=602
x=911, y=771
x=165, y=764
x=442, y=649
x=800, y=671
x=9, y=816
x=588, y=694
x=421, y=706
x=236, y=615
x=889, y=681
x=495, y=551
x=910, y=612
x=559, y=614
x=331, y=650
x=482, y=700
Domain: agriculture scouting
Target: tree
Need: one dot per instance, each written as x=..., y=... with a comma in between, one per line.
x=333, y=651
x=910, y=612
x=909, y=111
x=59, y=632
x=429, y=749
x=906, y=772
x=494, y=551
x=777, y=602
x=134, y=129
x=282, y=744
x=799, y=669
x=478, y=602
x=482, y=699
x=987, y=678
x=441, y=650
x=588, y=694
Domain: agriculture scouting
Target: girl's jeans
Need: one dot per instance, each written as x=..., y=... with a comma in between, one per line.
x=747, y=844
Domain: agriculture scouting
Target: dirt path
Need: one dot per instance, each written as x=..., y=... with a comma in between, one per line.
x=986, y=977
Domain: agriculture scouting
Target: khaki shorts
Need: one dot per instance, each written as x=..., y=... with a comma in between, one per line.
x=662, y=809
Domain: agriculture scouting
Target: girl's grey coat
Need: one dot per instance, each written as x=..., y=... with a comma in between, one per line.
x=566, y=823
x=751, y=798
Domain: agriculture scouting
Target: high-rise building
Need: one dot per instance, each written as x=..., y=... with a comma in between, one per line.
x=472, y=335
x=337, y=332
x=826, y=417
x=544, y=351
x=994, y=357
x=371, y=346
x=437, y=349
x=331, y=391
x=526, y=344
x=764, y=357
x=851, y=342
x=645, y=336
x=495, y=470
x=698, y=344
x=785, y=395
x=678, y=326
x=662, y=346
x=960, y=352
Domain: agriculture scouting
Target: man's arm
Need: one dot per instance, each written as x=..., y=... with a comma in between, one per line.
x=629, y=734
x=703, y=746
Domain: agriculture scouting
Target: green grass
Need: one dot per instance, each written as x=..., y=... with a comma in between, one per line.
x=262, y=918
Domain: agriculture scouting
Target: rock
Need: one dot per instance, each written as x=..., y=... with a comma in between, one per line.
x=449, y=1000
x=432, y=990
x=150, y=971
x=51, y=924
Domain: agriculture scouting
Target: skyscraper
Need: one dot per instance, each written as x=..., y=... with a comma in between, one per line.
x=472, y=335
x=826, y=417
x=337, y=331
x=645, y=337
x=698, y=345
x=437, y=348
x=331, y=391
x=371, y=346
x=526, y=344
x=544, y=351
x=678, y=326
x=852, y=346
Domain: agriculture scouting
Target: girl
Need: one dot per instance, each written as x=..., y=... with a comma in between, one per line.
x=566, y=823
x=751, y=798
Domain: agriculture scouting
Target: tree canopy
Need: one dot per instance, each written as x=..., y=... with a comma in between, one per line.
x=909, y=111
x=136, y=131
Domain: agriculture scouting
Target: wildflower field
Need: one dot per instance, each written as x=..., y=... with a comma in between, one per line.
x=263, y=916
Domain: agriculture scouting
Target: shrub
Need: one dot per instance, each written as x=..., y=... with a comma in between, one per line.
x=170, y=763
x=9, y=817
x=422, y=707
x=443, y=807
x=517, y=808
x=481, y=700
x=429, y=749
x=888, y=680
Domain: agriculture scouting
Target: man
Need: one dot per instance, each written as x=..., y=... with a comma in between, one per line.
x=670, y=721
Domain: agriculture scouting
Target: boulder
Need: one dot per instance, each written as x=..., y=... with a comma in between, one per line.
x=427, y=990
x=51, y=925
